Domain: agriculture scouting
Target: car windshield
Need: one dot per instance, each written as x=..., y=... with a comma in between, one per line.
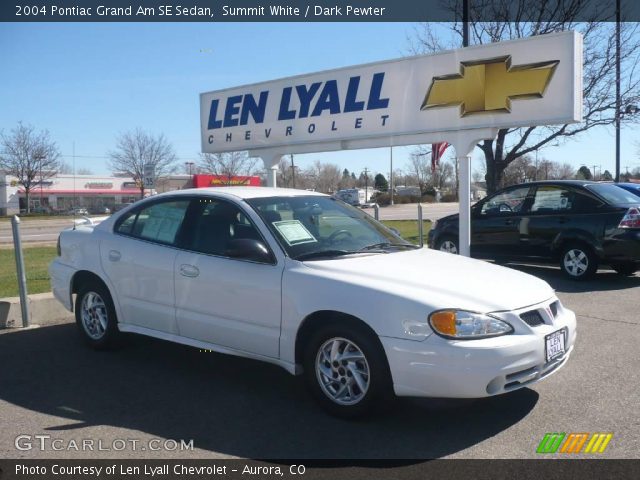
x=317, y=227
x=613, y=194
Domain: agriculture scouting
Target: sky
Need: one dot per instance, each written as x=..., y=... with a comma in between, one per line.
x=86, y=83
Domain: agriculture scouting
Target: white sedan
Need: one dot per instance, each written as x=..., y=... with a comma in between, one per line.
x=316, y=286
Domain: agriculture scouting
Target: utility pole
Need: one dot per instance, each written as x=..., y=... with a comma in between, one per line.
x=595, y=174
x=618, y=101
x=293, y=172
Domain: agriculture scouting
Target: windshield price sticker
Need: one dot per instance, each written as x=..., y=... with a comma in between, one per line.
x=294, y=232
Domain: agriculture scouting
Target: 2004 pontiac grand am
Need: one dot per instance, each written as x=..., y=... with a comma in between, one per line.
x=316, y=286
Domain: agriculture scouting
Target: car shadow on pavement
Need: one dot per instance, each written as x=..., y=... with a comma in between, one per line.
x=227, y=405
x=603, y=280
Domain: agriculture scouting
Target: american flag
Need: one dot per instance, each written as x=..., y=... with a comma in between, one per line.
x=437, y=150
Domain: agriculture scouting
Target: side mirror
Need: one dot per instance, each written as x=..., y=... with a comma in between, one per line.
x=248, y=249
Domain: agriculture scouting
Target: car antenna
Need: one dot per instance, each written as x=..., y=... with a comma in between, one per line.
x=74, y=184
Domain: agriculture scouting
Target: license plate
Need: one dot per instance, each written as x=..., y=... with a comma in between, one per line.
x=554, y=345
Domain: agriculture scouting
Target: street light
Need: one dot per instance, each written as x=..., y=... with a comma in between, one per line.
x=189, y=165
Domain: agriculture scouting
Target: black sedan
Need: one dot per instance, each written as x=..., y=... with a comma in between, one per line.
x=578, y=224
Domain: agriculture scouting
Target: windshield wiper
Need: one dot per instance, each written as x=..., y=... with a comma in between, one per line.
x=386, y=245
x=322, y=253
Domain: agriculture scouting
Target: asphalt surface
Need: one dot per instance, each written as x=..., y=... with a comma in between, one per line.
x=47, y=230
x=51, y=384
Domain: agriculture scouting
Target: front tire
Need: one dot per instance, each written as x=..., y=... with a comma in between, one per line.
x=96, y=316
x=346, y=370
x=578, y=262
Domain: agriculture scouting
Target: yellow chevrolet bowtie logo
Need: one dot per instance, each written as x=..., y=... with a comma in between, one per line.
x=489, y=85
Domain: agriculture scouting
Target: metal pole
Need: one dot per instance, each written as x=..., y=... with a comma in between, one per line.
x=420, y=225
x=293, y=173
x=391, y=176
x=464, y=240
x=22, y=279
x=465, y=23
x=618, y=102
x=376, y=211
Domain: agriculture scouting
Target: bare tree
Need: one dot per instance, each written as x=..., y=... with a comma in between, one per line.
x=138, y=148
x=29, y=156
x=599, y=70
x=419, y=166
x=228, y=164
x=325, y=176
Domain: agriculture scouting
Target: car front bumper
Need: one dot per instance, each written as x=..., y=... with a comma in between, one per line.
x=437, y=367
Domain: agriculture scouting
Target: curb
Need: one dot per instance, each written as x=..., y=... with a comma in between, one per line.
x=43, y=307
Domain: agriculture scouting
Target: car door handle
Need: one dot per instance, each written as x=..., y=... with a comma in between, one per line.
x=189, y=271
x=114, y=255
x=508, y=222
x=563, y=220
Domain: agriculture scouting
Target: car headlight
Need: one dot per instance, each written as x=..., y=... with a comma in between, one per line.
x=465, y=325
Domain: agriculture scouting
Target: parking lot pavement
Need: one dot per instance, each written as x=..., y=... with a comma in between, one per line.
x=52, y=384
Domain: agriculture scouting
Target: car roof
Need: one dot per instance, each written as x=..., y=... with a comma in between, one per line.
x=243, y=192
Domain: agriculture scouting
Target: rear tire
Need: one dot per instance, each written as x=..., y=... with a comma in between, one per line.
x=578, y=261
x=447, y=244
x=346, y=370
x=625, y=268
x=96, y=316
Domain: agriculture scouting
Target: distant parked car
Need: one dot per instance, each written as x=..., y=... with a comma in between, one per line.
x=578, y=224
x=630, y=187
x=100, y=210
x=78, y=211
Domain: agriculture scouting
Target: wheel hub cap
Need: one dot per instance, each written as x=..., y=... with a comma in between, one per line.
x=576, y=262
x=94, y=315
x=342, y=371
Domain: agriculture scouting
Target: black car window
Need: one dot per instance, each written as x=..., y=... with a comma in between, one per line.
x=506, y=203
x=553, y=199
x=216, y=223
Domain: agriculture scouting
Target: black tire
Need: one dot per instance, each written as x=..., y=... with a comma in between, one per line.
x=96, y=333
x=378, y=391
x=578, y=261
x=447, y=244
x=625, y=268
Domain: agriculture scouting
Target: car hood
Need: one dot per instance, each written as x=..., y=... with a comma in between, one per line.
x=439, y=279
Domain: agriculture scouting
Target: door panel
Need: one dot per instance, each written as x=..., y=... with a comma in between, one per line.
x=142, y=274
x=233, y=303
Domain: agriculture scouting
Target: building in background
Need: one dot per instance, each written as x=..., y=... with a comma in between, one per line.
x=61, y=193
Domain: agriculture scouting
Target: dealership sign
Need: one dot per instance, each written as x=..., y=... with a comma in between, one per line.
x=526, y=82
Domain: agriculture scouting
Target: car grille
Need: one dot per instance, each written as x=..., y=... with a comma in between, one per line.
x=532, y=318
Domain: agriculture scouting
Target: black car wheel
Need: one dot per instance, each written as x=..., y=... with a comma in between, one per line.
x=347, y=371
x=625, y=268
x=96, y=316
x=447, y=244
x=578, y=262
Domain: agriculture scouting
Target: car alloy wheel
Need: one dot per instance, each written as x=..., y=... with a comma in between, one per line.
x=342, y=371
x=448, y=246
x=94, y=315
x=578, y=262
